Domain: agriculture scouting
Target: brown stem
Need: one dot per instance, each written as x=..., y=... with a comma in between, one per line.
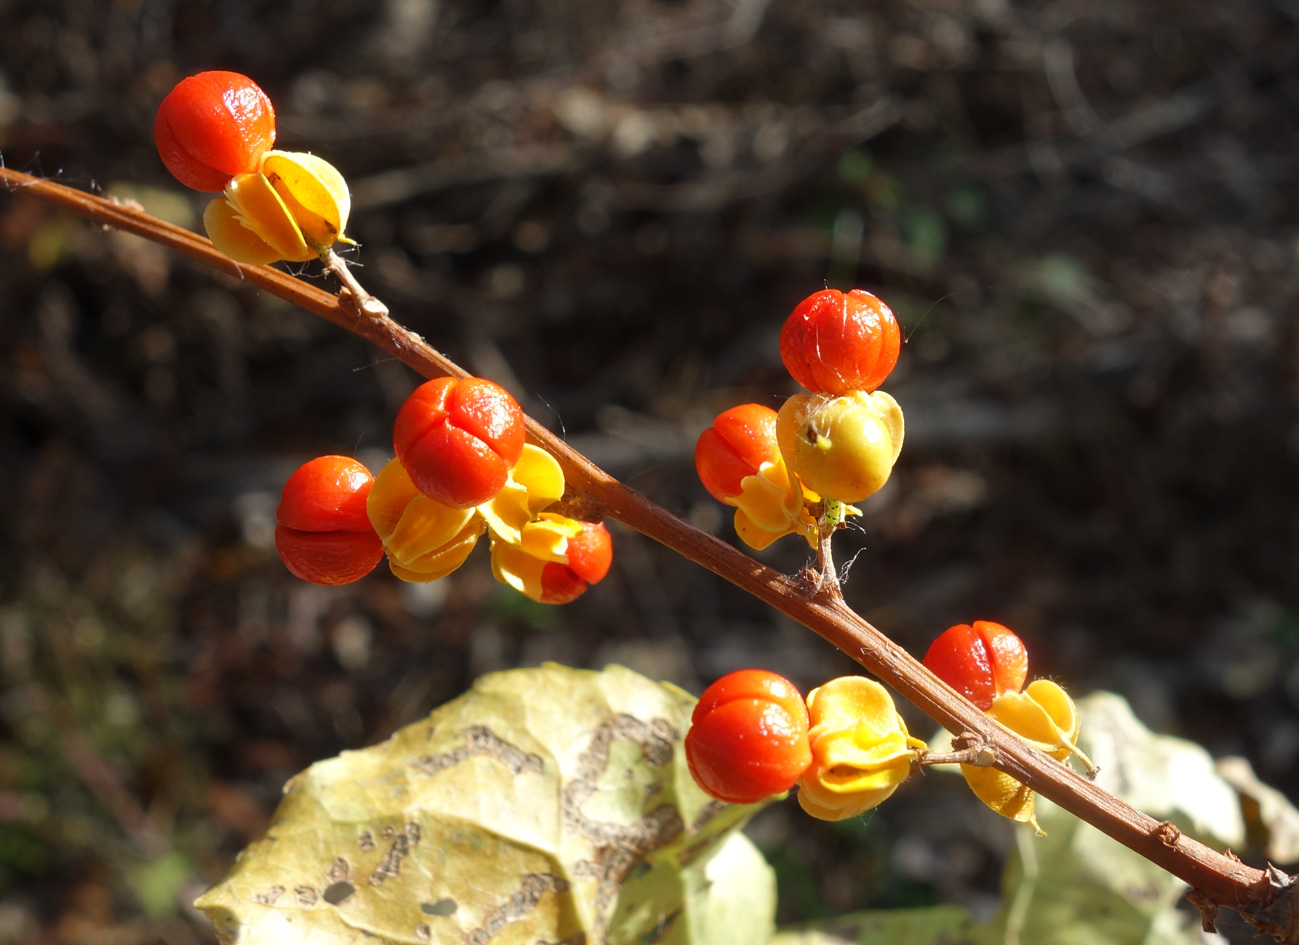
x=1219, y=878
x=968, y=748
x=366, y=304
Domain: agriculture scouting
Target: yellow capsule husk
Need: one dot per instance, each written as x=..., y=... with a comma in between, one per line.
x=314, y=193
x=841, y=447
x=1003, y=794
x=424, y=539
x=1044, y=716
x=257, y=207
x=233, y=238
x=861, y=749
x=769, y=506
x=535, y=482
x=441, y=561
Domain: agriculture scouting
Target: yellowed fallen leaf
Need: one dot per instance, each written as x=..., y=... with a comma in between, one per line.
x=545, y=805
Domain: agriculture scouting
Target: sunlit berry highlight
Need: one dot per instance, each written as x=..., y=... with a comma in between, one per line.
x=323, y=534
x=748, y=737
x=212, y=126
x=459, y=439
x=835, y=342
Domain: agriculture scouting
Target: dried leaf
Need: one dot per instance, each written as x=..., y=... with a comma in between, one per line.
x=545, y=804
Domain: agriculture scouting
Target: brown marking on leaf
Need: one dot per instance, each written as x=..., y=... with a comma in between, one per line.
x=390, y=865
x=706, y=814
x=413, y=833
x=268, y=898
x=307, y=895
x=423, y=932
x=337, y=892
x=578, y=939
x=365, y=841
x=340, y=869
x=692, y=851
x=481, y=740
x=518, y=906
x=619, y=847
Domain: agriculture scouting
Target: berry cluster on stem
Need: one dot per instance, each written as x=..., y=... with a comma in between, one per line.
x=1262, y=896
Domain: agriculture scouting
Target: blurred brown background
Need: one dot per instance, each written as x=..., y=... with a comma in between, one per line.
x=1083, y=213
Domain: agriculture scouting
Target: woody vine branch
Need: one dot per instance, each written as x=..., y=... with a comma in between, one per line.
x=1216, y=879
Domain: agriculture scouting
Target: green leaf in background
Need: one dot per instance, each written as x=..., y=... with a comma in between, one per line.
x=158, y=882
x=544, y=805
x=932, y=925
x=1079, y=887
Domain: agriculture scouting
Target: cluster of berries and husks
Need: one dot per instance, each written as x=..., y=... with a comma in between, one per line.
x=752, y=735
x=987, y=663
x=846, y=747
x=838, y=443
x=215, y=131
x=462, y=467
x=462, y=470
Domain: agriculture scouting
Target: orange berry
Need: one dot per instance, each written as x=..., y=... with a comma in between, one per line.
x=748, y=737
x=459, y=439
x=590, y=554
x=981, y=661
x=323, y=534
x=832, y=342
x=213, y=126
x=736, y=445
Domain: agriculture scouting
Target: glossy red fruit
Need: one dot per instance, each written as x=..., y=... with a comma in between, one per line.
x=213, y=126
x=981, y=661
x=736, y=445
x=458, y=439
x=589, y=556
x=832, y=342
x=748, y=737
x=323, y=533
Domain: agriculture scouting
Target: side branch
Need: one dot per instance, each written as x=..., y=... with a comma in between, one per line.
x=1218, y=879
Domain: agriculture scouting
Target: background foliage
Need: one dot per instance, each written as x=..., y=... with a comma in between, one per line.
x=1079, y=210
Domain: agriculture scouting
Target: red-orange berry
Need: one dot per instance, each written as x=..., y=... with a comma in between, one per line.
x=589, y=556
x=748, y=737
x=736, y=445
x=981, y=661
x=458, y=439
x=323, y=533
x=832, y=342
x=213, y=126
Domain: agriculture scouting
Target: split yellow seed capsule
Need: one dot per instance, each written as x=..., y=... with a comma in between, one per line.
x=841, y=447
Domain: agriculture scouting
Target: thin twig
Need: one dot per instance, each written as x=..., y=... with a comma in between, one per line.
x=1220, y=879
x=366, y=304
